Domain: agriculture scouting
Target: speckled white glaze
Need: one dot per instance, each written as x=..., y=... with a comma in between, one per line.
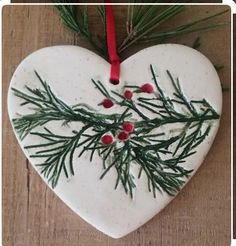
x=68, y=70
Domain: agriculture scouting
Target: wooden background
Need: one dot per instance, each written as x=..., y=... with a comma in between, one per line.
x=33, y=215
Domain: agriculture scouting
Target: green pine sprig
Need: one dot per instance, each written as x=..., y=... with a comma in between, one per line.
x=76, y=18
x=142, y=25
x=151, y=35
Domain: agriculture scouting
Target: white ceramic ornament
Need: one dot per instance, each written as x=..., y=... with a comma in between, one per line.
x=172, y=132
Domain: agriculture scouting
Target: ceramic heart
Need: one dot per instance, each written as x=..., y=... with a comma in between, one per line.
x=115, y=154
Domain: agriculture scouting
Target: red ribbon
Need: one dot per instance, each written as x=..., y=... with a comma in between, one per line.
x=111, y=45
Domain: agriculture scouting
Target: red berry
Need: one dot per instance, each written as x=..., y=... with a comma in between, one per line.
x=147, y=88
x=128, y=94
x=107, y=103
x=128, y=126
x=123, y=136
x=107, y=139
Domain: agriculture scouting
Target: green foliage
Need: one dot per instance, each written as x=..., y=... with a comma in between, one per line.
x=76, y=18
x=160, y=156
x=143, y=23
x=148, y=32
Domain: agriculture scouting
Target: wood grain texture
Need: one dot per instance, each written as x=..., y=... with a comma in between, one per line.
x=33, y=215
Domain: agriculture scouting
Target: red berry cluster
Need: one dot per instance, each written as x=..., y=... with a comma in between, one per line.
x=128, y=94
x=128, y=128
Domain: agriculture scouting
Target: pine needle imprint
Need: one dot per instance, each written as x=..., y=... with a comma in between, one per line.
x=122, y=140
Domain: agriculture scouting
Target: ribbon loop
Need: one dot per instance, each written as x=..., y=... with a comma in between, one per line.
x=111, y=45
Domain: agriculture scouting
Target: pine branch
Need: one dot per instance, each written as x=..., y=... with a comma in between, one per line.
x=146, y=19
x=103, y=39
x=76, y=18
x=48, y=107
x=147, y=24
x=58, y=152
x=142, y=25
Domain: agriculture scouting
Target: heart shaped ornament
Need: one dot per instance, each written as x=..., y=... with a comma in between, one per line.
x=115, y=154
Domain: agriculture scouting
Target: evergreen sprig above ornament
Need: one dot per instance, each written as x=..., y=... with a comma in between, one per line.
x=122, y=140
x=143, y=23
